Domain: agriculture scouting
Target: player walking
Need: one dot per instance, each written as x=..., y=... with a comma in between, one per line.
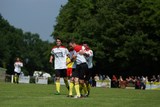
x=59, y=54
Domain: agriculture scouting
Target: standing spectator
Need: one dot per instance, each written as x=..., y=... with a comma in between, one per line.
x=158, y=78
x=137, y=83
x=96, y=78
x=143, y=83
x=114, y=82
x=17, y=69
x=153, y=79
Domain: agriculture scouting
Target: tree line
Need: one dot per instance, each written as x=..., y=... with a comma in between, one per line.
x=33, y=52
x=124, y=34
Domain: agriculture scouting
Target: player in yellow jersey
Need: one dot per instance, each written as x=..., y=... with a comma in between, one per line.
x=71, y=65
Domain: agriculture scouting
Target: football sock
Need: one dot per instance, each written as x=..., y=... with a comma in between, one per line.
x=80, y=88
x=71, y=88
x=15, y=78
x=77, y=89
x=85, y=89
x=58, y=86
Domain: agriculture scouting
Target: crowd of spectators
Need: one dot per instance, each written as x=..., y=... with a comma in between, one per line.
x=139, y=82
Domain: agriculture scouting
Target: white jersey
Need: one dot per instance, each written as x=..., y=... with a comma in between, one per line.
x=60, y=55
x=17, y=67
x=89, y=58
x=80, y=58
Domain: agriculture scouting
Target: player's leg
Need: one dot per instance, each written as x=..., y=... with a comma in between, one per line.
x=71, y=83
x=16, y=77
x=76, y=80
x=57, y=83
x=64, y=75
x=83, y=77
x=89, y=75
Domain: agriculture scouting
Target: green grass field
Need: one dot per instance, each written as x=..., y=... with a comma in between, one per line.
x=32, y=95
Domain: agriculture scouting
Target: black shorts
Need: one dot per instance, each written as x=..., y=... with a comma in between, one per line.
x=81, y=71
x=89, y=74
x=61, y=72
x=15, y=73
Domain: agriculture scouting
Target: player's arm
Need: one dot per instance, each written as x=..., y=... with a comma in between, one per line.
x=51, y=59
x=82, y=51
x=51, y=56
x=90, y=53
x=21, y=64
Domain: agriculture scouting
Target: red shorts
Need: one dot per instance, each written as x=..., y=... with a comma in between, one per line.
x=69, y=72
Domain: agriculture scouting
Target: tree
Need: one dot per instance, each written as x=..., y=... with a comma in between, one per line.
x=124, y=34
x=29, y=47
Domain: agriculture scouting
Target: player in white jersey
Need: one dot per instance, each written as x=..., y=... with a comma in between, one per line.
x=17, y=69
x=59, y=54
x=81, y=67
x=89, y=58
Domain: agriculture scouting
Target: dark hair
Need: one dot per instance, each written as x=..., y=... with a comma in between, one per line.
x=58, y=39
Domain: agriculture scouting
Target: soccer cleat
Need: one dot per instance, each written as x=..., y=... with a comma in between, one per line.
x=77, y=96
x=56, y=93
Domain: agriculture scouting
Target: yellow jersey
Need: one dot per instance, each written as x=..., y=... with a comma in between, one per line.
x=69, y=63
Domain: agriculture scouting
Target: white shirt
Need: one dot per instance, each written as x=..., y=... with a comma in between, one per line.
x=17, y=67
x=89, y=58
x=60, y=55
x=80, y=58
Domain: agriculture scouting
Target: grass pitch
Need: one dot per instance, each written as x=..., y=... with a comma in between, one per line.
x=32, y=95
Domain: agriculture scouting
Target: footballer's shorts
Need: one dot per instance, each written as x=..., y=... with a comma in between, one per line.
x=91, y=73
x=60, y=73
x=16, y=73
x=69, y=72
x=82, y=71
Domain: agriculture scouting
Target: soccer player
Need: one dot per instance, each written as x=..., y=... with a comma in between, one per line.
x=59, y=54
x=17, y=69
x=89, y=58
x=81, y=67
x=71, y=68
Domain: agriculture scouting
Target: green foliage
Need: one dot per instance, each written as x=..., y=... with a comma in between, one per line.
x=29, y=47
x=124, y=34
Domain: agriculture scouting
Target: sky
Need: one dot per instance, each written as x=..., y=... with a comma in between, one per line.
x=35, y=16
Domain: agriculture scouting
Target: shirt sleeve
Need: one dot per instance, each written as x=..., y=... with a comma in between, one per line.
x=67, y=52
x=52, y=52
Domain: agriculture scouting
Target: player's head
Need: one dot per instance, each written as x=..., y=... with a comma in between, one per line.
x=17, y=59
x=86, y=46
x=72, y=44
x=58, y=42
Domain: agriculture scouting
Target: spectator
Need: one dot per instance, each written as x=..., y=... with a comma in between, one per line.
x=96, y=78
x=158, y=78
x=153, y=79
x=137, y=82
x=107, y=78
x=143, y=83
x=122, y=83
x=114, y=82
